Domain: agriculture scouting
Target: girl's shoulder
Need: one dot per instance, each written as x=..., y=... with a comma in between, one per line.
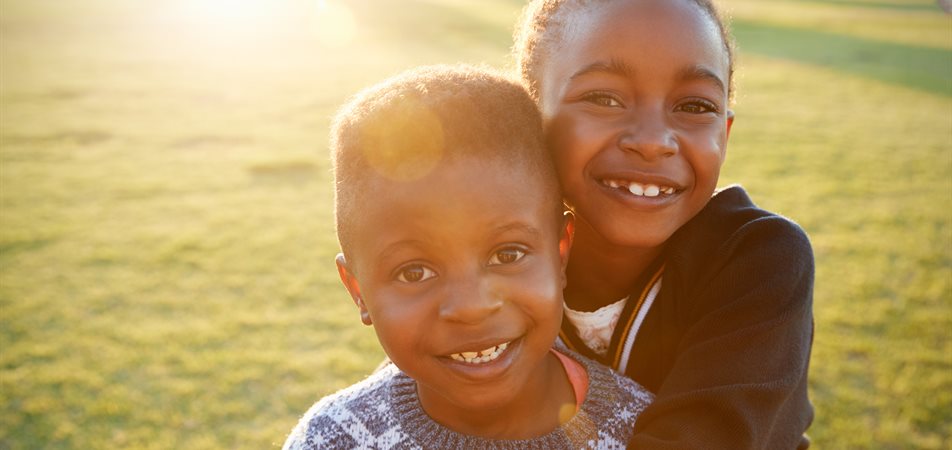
x=731, y=211
x=732, y=230
x=735, y=253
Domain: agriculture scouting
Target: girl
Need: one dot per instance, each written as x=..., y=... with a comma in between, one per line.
x=699, y=296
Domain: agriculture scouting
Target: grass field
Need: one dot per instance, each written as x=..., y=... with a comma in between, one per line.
x=166, y=240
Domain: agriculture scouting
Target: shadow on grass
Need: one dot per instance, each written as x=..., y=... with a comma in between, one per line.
x=923, y=68
x=290, y=171
x=434, y=24
x=905, y=6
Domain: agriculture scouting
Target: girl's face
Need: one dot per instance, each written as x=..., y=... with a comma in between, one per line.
x=634, y=100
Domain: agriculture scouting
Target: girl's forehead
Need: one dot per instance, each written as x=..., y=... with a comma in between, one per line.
x=642, y=29
x=670, y=21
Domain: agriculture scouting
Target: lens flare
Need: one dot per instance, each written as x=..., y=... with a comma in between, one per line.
x=406, y=144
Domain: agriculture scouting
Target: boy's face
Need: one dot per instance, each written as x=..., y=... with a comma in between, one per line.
x=635, y=109
x=468, y=259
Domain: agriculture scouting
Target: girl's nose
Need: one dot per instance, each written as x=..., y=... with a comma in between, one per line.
x=470, y=302
x=649, y=136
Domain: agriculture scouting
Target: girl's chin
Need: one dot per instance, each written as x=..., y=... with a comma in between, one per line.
x=631, y=237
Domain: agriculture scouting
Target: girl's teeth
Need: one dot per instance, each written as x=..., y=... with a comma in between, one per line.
x=469, y=355
x=645, y=190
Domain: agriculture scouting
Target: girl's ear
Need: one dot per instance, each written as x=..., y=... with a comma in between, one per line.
x=730, y=121
x=565, y=241
x=353, y=287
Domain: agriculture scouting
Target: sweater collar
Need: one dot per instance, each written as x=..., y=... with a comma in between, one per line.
x=597, y=408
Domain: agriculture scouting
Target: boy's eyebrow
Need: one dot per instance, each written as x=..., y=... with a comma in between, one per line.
x=613, y=67
x=394, y=247
x=701, y=73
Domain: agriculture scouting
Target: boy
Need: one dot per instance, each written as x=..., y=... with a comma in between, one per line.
x=454, y=248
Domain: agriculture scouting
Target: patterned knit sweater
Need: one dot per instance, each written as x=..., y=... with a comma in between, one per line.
x=384, y=412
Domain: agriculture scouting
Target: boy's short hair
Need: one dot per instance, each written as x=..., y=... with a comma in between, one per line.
x=400, y=129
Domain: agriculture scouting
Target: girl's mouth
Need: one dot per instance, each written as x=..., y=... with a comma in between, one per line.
x=641, y=189
x=482, y=356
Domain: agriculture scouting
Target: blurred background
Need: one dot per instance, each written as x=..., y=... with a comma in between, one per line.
x=166, y=233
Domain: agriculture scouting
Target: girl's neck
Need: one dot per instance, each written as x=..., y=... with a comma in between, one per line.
x=533, y=412
x=600, y=273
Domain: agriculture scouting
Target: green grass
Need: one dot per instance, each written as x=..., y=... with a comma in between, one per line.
x=166, y=242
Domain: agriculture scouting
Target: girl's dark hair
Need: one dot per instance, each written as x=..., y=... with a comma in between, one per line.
x=543, y=22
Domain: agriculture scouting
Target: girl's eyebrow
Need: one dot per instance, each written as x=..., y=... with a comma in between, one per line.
x=702, y=73
x=517, y=226
x=612, y=67
x=620, y=68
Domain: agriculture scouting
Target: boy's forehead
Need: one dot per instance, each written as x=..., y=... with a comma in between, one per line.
x=480, y=175
x=456, y=192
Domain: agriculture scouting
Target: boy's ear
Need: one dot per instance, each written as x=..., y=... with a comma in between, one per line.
x=730, y=121
x=565, y=241
x=353, y=287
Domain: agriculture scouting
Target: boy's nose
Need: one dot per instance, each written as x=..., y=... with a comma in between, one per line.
x=649, y=136
x=470, y=302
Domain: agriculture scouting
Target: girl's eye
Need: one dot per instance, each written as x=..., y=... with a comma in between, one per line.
x=602, y=99
x=415, y=273
x=506, y=256
x=697, y=107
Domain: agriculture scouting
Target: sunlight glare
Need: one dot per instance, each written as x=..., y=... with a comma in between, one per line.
x=232, y=14
x=334, y=24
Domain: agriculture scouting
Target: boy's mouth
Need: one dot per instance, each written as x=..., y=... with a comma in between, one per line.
x=641, y=189
x=482, y=356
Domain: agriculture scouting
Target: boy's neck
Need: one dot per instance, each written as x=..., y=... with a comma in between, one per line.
x=535, y=413
x=600, y=273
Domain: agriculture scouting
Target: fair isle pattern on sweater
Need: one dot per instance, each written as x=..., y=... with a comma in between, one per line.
x=384, y=412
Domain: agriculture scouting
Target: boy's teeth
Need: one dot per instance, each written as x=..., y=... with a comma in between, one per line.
x=636, y=189
x=482, y=356
x=652, y=191
x=488, y=351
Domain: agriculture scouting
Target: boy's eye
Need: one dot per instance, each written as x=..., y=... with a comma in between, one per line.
x=602, y=99
x=415, y=273
x=506, y=256
x=697, y=107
